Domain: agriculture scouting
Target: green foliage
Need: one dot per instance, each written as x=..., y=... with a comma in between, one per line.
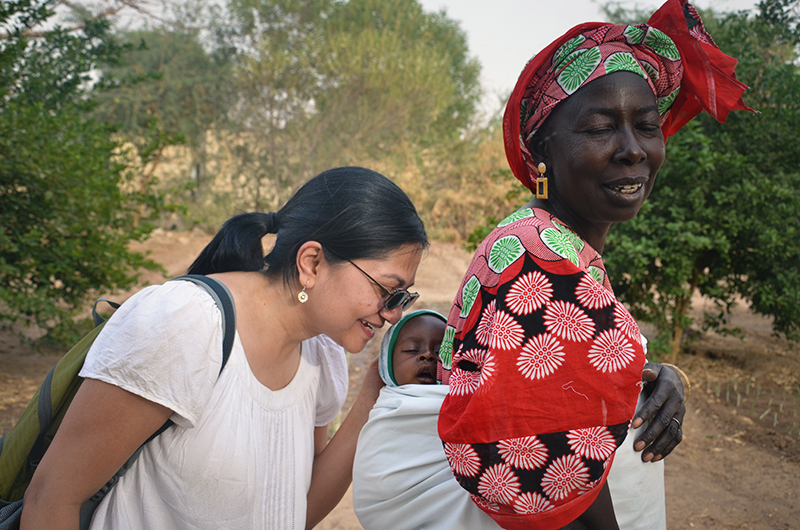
x=270, y=92
x=724, y=217
x=168, y=76
x=165, y=74
x=412, y=56
x=65, y=215
x=327, y=83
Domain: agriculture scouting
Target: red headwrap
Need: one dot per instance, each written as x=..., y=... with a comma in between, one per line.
x=687, y=72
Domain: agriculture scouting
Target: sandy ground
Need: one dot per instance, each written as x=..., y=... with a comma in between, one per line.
x=739, y=464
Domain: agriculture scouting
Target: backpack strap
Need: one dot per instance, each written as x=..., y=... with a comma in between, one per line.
x=224, y=300
x=97, y=317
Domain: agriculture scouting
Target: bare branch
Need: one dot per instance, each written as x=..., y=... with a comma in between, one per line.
x=145, y=8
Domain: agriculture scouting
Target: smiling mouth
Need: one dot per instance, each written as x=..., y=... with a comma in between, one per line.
x=628, y=189
x=368, y=325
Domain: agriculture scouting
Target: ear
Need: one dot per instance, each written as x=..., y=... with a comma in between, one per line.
x=539, y=147
x=310, y=258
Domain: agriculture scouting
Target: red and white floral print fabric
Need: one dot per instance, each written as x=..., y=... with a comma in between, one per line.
x=544, y=367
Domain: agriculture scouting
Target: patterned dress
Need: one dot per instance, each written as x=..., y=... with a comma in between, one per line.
x=544, y=367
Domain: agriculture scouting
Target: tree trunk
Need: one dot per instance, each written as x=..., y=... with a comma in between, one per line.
x=675, y=343
x=198, y=172
x=682, y=305
x=144, y=182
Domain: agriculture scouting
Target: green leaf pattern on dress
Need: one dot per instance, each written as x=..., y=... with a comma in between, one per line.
x=662, y=44
x=575, y=74
x=560, y=244
x=523, y=115
x=446, y=348
x=576, y=241
x=516, y=216
x=505, y=251
x=469, y=294
x=563, y=52
x=597, y=273
x=623, y=62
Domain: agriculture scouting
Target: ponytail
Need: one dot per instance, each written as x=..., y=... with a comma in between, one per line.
x=237, y=246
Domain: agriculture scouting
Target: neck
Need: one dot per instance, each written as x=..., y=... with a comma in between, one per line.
x=266, y=308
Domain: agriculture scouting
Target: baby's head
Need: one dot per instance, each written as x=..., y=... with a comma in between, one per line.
x=410, y=348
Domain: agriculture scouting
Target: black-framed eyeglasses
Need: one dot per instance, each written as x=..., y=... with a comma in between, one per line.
x=393, y=298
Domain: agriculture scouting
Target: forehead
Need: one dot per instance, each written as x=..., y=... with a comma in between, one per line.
x=617, y=92
x=398, y=267
x=422, y=326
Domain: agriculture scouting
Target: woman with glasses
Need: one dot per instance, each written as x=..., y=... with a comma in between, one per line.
x=249, y=447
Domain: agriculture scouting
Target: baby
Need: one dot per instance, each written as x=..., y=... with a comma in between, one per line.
x=409, y=349
x=401, y=478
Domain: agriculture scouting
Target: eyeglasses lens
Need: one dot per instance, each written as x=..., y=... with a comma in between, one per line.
x=404, y=298
x=395, y=299
x=412, y=297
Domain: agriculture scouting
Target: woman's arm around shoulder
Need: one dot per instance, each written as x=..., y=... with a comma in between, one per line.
x=102, y=428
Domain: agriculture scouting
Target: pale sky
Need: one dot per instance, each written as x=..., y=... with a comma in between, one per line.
x=504, y=34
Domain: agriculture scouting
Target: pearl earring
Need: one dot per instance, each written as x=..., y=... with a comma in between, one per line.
x=302, y=296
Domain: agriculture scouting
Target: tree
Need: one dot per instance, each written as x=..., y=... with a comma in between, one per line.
x=724, y=217
x=167, y=75
x=323, y=83
x=65, y=218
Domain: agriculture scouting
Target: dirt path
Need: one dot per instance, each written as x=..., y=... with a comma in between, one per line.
x=738, y=468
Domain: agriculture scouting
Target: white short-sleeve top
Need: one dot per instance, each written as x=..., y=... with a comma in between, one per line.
x=240, y=454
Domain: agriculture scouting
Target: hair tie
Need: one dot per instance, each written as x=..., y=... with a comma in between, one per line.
x=272, y=223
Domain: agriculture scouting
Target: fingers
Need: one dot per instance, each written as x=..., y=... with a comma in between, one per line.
x=672, y=444
x=665, y=409
x=650, y=372
x=667, y=391
x=663, y=434
x=670, y=437
x=372, y=383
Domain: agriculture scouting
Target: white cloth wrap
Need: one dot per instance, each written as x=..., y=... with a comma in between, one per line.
x=637, y=488
x=401, y=478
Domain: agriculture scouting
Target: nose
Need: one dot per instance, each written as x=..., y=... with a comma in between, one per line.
x=630, y=151
x=426, y=354
x=391, y=315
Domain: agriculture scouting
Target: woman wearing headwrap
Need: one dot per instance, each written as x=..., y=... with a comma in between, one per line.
x=544, y=363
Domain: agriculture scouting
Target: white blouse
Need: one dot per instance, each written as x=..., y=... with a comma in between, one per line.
x=240, y=455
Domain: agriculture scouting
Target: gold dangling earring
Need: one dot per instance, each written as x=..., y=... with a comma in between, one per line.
x=302, y=296
x=541, y=182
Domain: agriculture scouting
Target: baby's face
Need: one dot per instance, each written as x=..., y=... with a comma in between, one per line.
x=416, y=350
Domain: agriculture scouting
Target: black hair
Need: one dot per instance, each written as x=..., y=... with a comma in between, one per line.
x=354, y=213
